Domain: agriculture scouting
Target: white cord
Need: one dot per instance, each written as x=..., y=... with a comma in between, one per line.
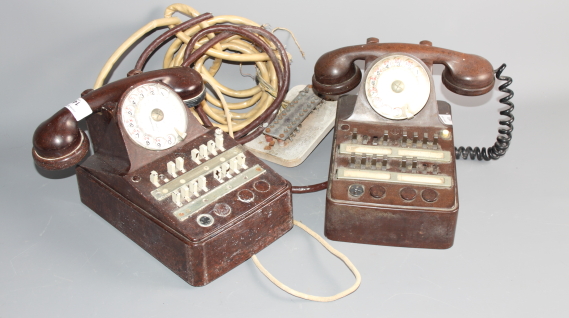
x=234, y=49
x=332, y=250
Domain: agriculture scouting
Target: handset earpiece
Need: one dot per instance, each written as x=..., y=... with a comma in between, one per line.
x=472, y=77
x=335, y=72
x=59, y=143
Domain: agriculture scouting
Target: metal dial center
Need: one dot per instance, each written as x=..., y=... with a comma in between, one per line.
x=157, y=114
x=153, y=116
x=397, y=86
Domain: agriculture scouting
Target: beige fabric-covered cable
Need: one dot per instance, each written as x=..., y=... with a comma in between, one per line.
x=209, y=79
x=311, y=297
x=128, y=43
x=234, y=49
x=257, y=97
x=254, y=94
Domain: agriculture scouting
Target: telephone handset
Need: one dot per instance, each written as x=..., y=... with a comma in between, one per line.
x=392, y=178
x=335, y=72
x=58, y=143
x=193, y=198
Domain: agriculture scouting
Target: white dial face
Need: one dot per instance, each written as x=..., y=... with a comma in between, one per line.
x=154, y=116
x=397, y=87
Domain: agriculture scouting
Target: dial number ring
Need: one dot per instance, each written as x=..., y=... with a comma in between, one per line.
x=397, y=87
x=153, y=116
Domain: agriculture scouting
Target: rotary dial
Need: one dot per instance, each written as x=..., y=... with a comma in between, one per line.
x=397, y=87
x=153, y=116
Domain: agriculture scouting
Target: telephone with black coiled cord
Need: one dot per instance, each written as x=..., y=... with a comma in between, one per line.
x=392, y=177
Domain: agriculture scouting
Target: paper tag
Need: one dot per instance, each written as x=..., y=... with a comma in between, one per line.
x=446, y=119
x=80, y=109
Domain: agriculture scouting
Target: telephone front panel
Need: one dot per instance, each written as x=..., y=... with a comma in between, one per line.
x=202, y=209
x=392, y=185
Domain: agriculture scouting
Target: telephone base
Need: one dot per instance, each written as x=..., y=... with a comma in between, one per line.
x=196, y=262
x=402, y=228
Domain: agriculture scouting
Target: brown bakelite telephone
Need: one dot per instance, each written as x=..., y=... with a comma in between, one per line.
x=392, y=178
x=192, y=197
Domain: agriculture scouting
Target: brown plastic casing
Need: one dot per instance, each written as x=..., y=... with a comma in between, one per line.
x=115, y=183
x=466, y=74
x=58, y=143
x=391, y=213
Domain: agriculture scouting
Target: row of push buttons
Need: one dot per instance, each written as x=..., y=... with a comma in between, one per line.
x=407, y=193
x=406, y=141
x=223, y=209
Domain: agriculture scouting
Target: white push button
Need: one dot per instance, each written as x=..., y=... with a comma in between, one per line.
x=211, y=147
x=195, y=154
x=177, y=198
x=186, y=193
x=203, y=152
x=202, y=183
x=171, y=167
x=154, y=178
x=219, y=139
x=180, y=164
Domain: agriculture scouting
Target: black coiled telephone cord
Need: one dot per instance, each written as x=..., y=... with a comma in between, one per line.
x=503, y=140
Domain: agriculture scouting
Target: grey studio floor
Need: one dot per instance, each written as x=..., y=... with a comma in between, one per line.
x=510, y=255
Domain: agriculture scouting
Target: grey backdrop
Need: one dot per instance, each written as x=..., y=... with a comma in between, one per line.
x=60, y=259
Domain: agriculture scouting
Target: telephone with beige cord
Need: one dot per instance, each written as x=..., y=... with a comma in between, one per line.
x=189, y=194
x=179, y=190
x=392, y=177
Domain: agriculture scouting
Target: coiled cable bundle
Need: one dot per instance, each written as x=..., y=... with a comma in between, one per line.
x=503, y=140
x=223, y=38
